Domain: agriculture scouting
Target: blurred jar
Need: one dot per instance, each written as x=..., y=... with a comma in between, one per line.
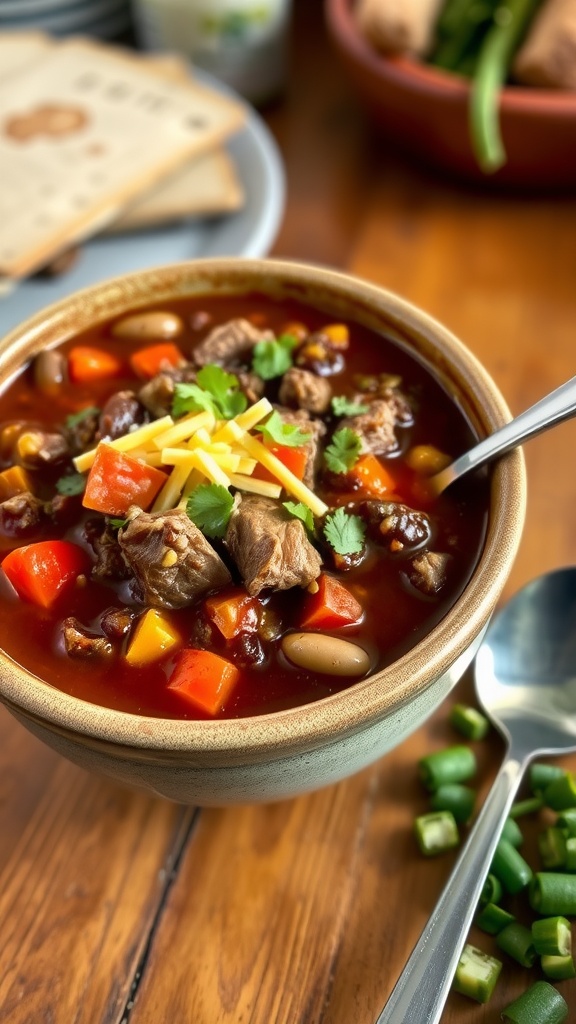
x=242, y=42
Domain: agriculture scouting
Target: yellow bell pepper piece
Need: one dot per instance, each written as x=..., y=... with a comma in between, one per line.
x=153, y=636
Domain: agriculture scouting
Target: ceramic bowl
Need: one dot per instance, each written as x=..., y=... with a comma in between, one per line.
x=425, y=110
x=281, y=754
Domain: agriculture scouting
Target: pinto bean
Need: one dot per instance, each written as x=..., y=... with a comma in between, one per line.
x=157, y=323
x=50, y=371
x=320, y=653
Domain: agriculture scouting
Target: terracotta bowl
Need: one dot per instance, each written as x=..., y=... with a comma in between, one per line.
x=280, y=754
x=425, y=110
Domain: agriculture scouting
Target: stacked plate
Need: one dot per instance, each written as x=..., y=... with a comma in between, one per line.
x=105, y=19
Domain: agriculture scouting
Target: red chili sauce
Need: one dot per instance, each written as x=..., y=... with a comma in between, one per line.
x=396, y=612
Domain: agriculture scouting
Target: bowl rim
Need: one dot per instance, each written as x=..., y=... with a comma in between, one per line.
x=369, y=700
x=425, y=80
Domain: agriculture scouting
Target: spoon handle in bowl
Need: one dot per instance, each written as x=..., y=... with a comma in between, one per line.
x=422, y=989
x=554, y=408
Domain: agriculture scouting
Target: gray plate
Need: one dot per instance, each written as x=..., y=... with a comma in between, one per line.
x=249, y=232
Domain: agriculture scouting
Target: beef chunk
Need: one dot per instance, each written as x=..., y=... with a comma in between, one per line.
x=305, y=390
x=82, y=434
x=20, y=514
x=427, y=571
x=38, y=448
x=64, y=509
x=251, y=385
x=316, y=429
x=158, y=394
x=171, y=559
x=110, y=563
x=121, y=412
x=398, y=525
x=116, y=622
x=270, y=547
x=81, y=643
x=229, y=343
x=376, y=427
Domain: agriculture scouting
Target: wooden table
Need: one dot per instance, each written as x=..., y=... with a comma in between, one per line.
x=117, y=907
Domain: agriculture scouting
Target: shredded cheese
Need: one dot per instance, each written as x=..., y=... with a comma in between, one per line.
x=183, y=429
x=251, y=484
x=288, y=480
x=138, y=438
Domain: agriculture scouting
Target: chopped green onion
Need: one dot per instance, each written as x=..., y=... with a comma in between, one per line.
x=529, y=806
x=476, y=974
x=540, y=1004
x=560, y=968
x=469, y=721
x=492, y=919
x=456, y=798
x=553, y=892
x=552, y=936
x=454, y=764
x=552, y=847
x=516, y=940
x=510, y=867
x=512, y=832
x=436, y=832
x=560, y=794
x=541, y=775
x=491, y=891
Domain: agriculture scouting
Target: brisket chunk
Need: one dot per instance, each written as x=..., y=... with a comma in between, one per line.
x=20, y=514
x=305, y=390
x=81, y=643
x=316, y=429
x=172, y=561
x=270, y=547
x=376, y=427
x=121, y=412
x=427, y=571
x=103, y=540
x=229, y=343
x=157, y=394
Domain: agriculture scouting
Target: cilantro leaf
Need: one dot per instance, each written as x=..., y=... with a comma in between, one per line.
x=300, y=511
x=117, y=524
x=276, y=430
x=342, y=406
x=215, y=391
x=272, y=358
x=344, y=532
x=223, y=387
x=343, y=451
x=209, y=507
x=73, y=483
x=78, y=417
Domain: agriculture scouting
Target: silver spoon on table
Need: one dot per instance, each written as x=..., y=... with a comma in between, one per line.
x=525, y=676
x=559, y=405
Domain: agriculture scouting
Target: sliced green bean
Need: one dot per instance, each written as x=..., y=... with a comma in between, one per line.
x=540, y=1004
x=456, y=798
x=560, y=794
x=436, y=832
x=491, y=890
x=469, y=721
x=493, y=919
x=453, y=764
x=510, y=867
x=560, y=968
x=516, y=940
x=512, y=832
x=567, y=820
x=476, y=974
x=552, y=893
x=552, y=936
x=541, y=775
x=570, y=864
x=531, y=805
x=552, y=847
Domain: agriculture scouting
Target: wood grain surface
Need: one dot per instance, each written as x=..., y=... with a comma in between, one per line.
x=116, y=907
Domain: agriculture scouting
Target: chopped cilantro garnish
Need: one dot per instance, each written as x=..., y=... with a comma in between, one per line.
x=276, y=430
x=117, y=524
x=215, y=391
x=343, y=450
x=72, y=484
x=344, y=532
x=78, y=417
x=342, y=406
x=209, y=507
x=300, y=511
x=272, y=358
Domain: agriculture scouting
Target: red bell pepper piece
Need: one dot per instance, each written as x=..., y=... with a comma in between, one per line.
x=204, y=679
x=116, y=481
x=86, y=364
x=148, y=361
x=41, y=572
x=293, y=458
x=331, y=606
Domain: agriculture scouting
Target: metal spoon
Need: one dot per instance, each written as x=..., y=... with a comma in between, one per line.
x=559, y=405
x=525, y=674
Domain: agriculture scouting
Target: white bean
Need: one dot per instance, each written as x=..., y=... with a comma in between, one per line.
x=158, y=323
x=329, y=654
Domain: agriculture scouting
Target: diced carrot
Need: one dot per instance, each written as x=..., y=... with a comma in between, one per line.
x=203, y=678
x=293, y=458
x=86, y=364
x=153, y=635
x=148, y=361
x=331, y=606
x=116, y=481
x=372, y=476
x=41, y=572
x=232, y=611
x=13, y=481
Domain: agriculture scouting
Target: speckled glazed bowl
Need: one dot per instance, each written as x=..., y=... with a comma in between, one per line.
x=281, y=754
